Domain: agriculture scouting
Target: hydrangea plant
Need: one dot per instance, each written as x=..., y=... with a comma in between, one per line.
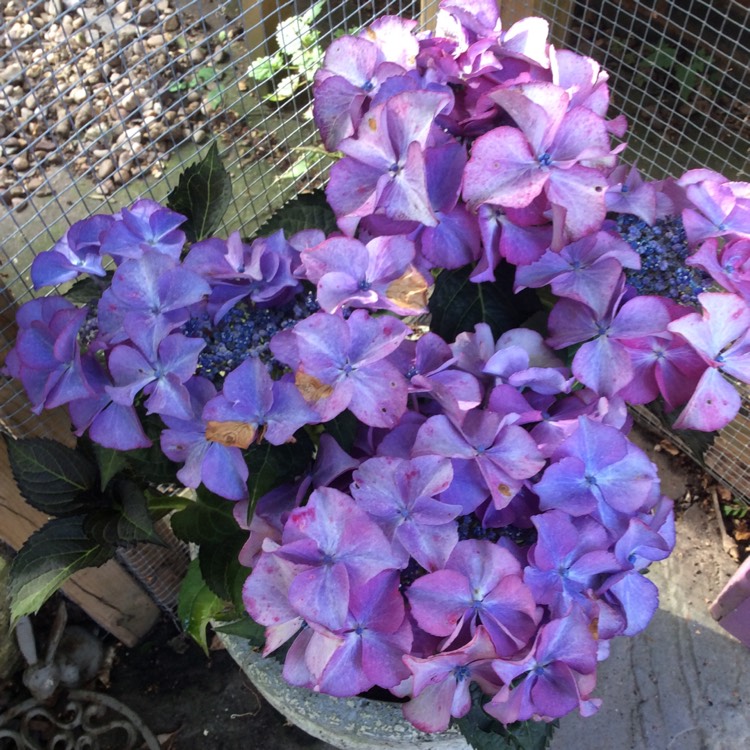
x=408, y=432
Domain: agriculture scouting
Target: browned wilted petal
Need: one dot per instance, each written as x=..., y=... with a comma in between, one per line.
x=231, y=434
x=409, y=290
x=311, y=388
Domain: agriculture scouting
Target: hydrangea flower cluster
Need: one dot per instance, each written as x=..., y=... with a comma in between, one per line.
x=489, y=521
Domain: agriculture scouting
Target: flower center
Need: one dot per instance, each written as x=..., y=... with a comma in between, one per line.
x=545, y=160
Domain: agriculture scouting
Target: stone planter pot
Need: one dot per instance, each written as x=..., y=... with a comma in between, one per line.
x=346, y=723
x=732, y=606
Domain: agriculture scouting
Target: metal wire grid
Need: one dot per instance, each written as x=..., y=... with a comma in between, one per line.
x=103, y=103
x=679, y=72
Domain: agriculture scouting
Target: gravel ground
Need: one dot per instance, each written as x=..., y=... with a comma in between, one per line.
x=107, y=88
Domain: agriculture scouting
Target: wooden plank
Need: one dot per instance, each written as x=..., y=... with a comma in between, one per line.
x=107, y=594
x=260, y=19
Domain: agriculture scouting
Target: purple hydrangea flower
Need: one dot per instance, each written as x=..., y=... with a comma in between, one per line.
x=259, y=408
x=342, y=547
x=342, y=363
x=556, y=676
x=480, y=584
x=217, y=463
x=149, y=297
x=47, y=355
x=401, y=496
x=553, y=149
x=384, y=166
x=721, y=337
x=597, y=470
x=379, y=275
x=442, y=682
x=77, y=252
x=146, y=226
x=368, y=649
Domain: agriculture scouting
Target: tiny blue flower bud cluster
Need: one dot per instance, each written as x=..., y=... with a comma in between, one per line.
x=470, y=527
x=663, y=248
x=90, y=328
x=245, y=331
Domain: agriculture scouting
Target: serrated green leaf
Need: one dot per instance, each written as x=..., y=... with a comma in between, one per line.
x=483, y=732
x=203, y=193
x=197, y=605
x=457, y=304
x=306, y=211
x=245, y=628
x=208, y=519
x=47, y=559
x=110, y=462
x=127, y=522
x=51, y=477
x=150, y=465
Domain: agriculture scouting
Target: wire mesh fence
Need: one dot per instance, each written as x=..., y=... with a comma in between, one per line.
x=678, y=71
x=102, y=102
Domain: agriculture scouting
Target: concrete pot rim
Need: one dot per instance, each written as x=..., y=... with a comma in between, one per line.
x=347, y=723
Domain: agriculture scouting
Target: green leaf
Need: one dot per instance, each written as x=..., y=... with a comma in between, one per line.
x=151, y=466
x=197, y=605
x=203, y=193
x=206, y=74
x=344, y=429
x=313, y=12
x=221, y=569
x=245, y=628
x=51, y=477
x=208, y=519
x=483, y=732
x=87, y=289
x=110, y=462
x=209, y=522
x=125, y=523
x=457, y=304
x=263, y=68
x=47, y=559
x=272, y=465
x=306, y=211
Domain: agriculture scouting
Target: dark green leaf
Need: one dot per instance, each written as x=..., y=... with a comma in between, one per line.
x=88, y=289
x=47, y=559
x=51, y=477
x=203, y=193
x=344, y=429
x=207, y=520
x=110, y=462
x=151, y=466
x=197, y=605
x=272, y=465
x=457, y=304
x=221, y=567
x=247, y=629
x=126, y=522
x=306, y=211
x=483, y=732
